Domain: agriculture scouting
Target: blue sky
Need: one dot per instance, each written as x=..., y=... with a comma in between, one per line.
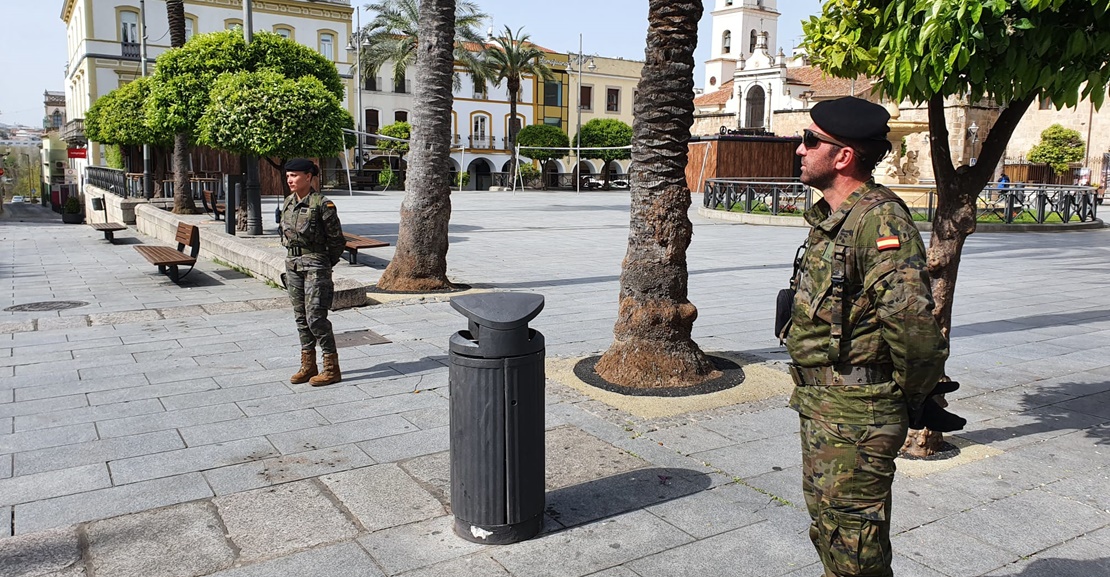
x=33, y=45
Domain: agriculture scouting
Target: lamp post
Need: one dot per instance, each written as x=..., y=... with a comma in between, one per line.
x=251, y=188
x=973, y=134
x=578, y=127
x=148, y=177
x=355, y=45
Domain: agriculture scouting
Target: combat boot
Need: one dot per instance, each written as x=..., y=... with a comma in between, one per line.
x=331, y=372
x=308, y=368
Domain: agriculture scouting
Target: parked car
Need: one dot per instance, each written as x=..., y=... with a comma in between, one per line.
x=619, y=183
x=591, y=183
x=16, y=199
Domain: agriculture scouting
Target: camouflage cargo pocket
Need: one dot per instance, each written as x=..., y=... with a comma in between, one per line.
x=852, y=535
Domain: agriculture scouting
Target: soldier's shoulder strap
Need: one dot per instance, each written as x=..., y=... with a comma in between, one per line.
x=843, y=260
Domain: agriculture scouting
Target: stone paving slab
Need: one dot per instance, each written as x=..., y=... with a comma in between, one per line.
x=97, y=451
x=383, y=496
x=271, y=522
x=49, y=552
x=179, y=541
x=285, y=469
x=341, y=560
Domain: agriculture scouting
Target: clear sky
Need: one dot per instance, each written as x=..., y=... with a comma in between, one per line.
x=33, y=43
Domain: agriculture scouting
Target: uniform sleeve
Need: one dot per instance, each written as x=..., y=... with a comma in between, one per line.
x=894, y=257
x=333, y=231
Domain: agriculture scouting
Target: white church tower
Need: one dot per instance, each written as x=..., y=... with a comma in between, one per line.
x=737, y=26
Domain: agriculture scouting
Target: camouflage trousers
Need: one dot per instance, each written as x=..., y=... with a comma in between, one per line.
x=311, y=292
x=847, y=472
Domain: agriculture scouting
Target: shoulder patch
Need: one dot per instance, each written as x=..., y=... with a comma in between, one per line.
x=329, y=204
x=887, y=243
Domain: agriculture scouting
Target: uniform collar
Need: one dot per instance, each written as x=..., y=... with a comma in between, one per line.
x=819, y=217
x=299, y=201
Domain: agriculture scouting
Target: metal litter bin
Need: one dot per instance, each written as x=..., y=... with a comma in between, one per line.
x=497, y=411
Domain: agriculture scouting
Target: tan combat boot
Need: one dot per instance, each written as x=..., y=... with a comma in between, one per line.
x=308, y=368
x=331, y=372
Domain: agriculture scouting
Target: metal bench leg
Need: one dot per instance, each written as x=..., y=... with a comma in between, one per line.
x=161, y=269
x=108, y=236
x=173, y=273
x=352, y=255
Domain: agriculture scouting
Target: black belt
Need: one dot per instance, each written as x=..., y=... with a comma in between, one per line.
x=833, y=375
x=297, y=251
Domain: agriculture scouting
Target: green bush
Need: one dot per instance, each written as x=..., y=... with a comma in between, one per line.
x=387, y=177
x=462, y=179
x=72, y=205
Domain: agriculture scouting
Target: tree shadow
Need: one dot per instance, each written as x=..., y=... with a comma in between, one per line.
x=1057, y=567
x=1055, y=408
x=1034, y=321
x=618, y=494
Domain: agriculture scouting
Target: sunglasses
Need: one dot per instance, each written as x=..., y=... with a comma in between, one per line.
x=811, y=140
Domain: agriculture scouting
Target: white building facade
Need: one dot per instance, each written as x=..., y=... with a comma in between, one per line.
x=104, y=43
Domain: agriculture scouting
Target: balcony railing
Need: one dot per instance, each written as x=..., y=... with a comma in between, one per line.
x=74, y=132
x=402, y=87
x=482, y=142
x=129, y=50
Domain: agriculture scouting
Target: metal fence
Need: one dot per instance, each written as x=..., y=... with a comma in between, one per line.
x=997, y=202
x=130, y=184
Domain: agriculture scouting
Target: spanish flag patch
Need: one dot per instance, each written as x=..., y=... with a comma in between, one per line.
x=887, y=242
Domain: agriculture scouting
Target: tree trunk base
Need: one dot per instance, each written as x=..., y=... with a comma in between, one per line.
x=644, y=364
x=394, y=283
x=921, y=443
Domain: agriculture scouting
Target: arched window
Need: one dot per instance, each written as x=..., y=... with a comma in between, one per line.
x=726, y=42
x=327, y=45
x=57, y=119
x=755, y=37
x=756, y=100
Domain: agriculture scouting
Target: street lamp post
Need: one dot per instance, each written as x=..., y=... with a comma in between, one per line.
x=148, y=177
x=252, y=188
x=578, y=127
x=355, y=45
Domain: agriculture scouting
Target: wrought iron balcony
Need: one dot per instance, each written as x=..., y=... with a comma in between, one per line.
x=74, y=132
x=130, y=50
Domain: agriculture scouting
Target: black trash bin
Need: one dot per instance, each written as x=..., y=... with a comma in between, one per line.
x=497, y=411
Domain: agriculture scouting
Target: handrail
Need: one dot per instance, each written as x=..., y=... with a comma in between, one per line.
x=1006, y=202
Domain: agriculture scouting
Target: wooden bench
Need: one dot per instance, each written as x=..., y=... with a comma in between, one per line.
x=211, y=204
x=355, y=242
x=108, y=228
x=168, y=259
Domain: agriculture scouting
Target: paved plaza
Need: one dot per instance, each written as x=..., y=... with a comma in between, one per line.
x=152, y=430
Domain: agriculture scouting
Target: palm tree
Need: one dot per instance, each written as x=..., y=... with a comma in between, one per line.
x=420, y=261
x=392, y=37
x=182, y=196
x=652, y=347
x=510, y=58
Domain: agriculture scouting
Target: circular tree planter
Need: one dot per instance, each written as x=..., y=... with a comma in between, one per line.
x=72, y=217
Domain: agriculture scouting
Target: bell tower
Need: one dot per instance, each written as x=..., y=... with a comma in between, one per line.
x=737, y=26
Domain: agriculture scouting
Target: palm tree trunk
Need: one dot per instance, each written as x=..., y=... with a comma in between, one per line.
x=514, y=88
x=652, y=346
x=182, y=196
x=420, y=261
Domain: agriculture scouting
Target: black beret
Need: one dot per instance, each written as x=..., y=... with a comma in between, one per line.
x=851, y=118
x=300, y=165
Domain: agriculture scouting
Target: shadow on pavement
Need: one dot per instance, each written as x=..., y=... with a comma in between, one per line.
x=1057, y=408
x=1034, y=321
x=1056, y=567
x=610, y=496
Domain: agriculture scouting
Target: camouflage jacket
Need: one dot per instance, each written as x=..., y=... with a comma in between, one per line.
x=887, y=308
x=312, y=224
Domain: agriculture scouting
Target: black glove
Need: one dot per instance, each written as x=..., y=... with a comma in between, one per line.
x=934, y=417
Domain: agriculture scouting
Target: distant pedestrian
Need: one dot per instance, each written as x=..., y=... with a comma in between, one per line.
x=1003, y=182
x=865, y=347
x=313, y=240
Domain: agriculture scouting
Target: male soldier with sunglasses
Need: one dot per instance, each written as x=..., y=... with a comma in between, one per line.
x=866, y=350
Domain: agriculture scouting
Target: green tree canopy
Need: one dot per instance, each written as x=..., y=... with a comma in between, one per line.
x=118, y=118
x=603, y=132
x=270, y=115
x=185, y=75
x=269, y=51
x=1059, y=147
x=401, y=130
x=1006, y=50
x=542, y=135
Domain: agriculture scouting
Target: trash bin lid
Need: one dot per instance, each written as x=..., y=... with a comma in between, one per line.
x=500, y=311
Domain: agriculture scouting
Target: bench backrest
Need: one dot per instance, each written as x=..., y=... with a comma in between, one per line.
x=188, y=235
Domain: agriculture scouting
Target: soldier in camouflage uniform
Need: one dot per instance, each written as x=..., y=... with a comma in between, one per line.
x=313, y=239
x=865, y=347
